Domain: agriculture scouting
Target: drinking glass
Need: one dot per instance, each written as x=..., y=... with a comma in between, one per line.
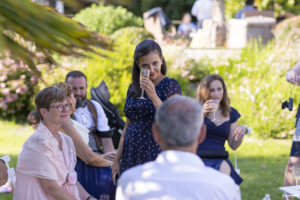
x=215, y=109
x=144, y=73
x=296, y=173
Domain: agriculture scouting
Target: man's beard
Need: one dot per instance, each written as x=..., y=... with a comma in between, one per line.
x=81, y=102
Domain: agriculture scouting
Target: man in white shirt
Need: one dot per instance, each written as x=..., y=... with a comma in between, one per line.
x=84, y=114
x=202, y=9
x=177, y=173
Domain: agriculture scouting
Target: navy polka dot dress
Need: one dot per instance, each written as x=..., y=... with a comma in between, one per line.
x=139, y=146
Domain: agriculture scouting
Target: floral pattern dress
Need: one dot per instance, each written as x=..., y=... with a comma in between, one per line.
x=139, y=146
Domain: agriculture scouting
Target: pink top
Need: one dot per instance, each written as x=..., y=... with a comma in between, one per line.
x=40, y=157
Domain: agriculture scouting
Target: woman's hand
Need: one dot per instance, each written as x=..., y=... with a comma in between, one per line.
x=236, y=135
x=109, y=155
x=292, y=77
x=148, y=87
x=208, y=106
x=115, y=167
x=239, y=133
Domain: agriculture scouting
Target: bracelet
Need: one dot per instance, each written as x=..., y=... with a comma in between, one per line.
x=88, y=198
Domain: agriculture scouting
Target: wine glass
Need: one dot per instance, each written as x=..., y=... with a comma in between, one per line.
x=296, y=174
x=144, y=73
x=215, y=109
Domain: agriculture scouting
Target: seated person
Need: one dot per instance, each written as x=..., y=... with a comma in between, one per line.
x=45, y=168
x=249, y=6
x=221, y=121
x=97, y=173
x=33, y=119
x=187, y=26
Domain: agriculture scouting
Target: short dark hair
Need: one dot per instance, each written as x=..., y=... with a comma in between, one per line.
x=249, y=2
x=47, y=96
x=33, y=117
x=142, y=49
x=75, y=74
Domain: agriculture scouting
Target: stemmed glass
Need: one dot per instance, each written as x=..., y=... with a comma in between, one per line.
x=296, y=174
x=215, y=109
x=144, y=73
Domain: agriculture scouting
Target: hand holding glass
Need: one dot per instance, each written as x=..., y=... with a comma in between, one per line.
x=215, y=109
x=144, y=73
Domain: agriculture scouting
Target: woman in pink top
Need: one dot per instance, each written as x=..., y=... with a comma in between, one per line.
x=45, y=168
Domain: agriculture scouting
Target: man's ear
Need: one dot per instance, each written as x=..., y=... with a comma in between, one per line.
x=156, y=134
x=202, y=135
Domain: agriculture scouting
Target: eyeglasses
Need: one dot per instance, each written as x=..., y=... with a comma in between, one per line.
x=62, y=107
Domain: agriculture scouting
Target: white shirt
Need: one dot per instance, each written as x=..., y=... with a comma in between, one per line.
x=82, y=131
x=176, y=175
x=85, y=117
x=202, y=9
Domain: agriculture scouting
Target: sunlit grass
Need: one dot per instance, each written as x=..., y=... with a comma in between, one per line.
x=12, y=137
x=262, y=162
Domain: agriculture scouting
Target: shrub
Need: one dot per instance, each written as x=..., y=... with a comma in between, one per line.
x=17, y=87
x=256, y=85
x=107, y=19
x=115, y=69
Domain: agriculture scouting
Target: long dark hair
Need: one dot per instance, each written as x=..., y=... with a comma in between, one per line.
x=203, y=92
x=142, y=49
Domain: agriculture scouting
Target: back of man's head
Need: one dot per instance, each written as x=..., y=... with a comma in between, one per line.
x=179, y=121
x=75, y=74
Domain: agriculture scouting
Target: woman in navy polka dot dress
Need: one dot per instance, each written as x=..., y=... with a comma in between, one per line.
x=137, y=145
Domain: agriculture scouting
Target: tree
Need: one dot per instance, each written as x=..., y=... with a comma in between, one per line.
x=27, y=28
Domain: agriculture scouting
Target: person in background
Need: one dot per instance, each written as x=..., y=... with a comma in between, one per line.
x=98, y=170
x=177, y=173
x=293, y=77
x=187, y=26
x=221, y=121
x=45, y=168
x=90, y=114
x=202, y=9
x=249, y=6
x=33, y=119
x=137, y=145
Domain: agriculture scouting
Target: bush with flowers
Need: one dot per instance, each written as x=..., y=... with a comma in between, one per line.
x=17, y=86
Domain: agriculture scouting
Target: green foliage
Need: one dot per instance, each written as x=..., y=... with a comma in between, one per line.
x=27, y=28
x=174, y=8
x=279, y=6
x=107, y=19
x=257, y=86
x=115, y=69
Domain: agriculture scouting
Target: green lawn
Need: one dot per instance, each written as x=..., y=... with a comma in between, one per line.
x=262, y=162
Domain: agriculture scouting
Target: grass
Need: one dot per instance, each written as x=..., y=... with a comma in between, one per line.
x=262, y=162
